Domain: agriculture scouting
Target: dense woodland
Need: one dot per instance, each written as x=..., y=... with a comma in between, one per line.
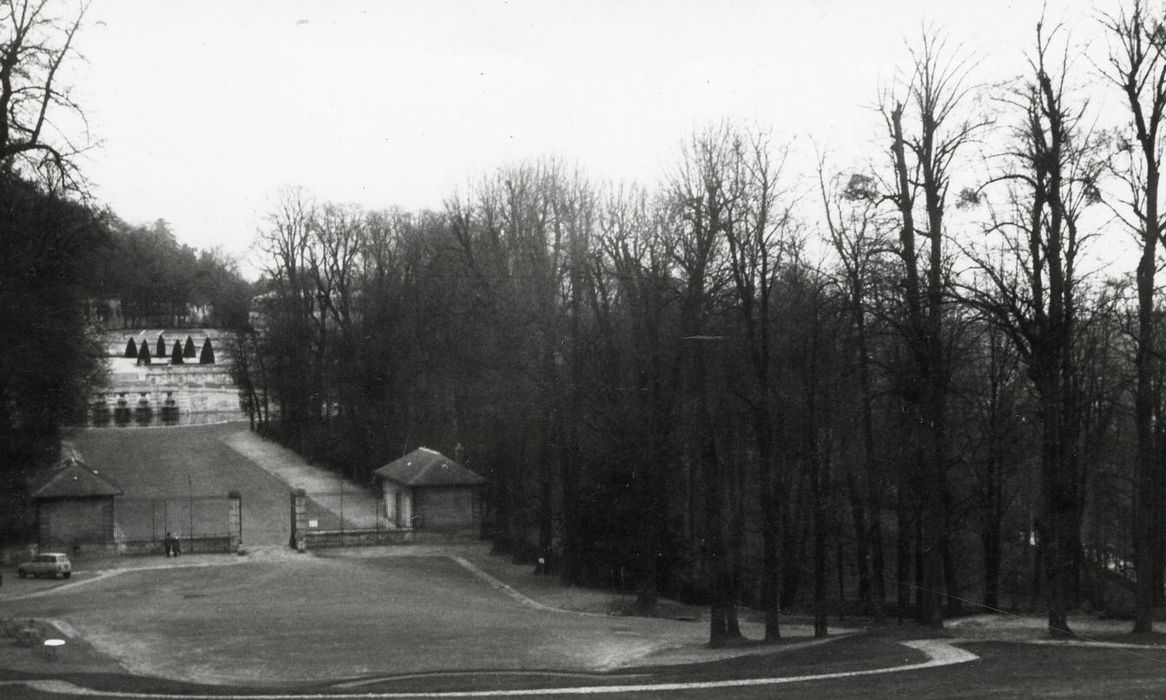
x=903, y=388
x=155, y=279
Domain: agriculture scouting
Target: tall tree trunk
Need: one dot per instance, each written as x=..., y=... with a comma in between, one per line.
x=1146, y=499
x=1057, y=511
x=650, y=538
x=718, y=583
x=770, y=531
x=861, y=553
x=793, y=539
x=874, y=476
x=950, y=575
x=733, y=561
x=903, y=548
x=990, y=540
x=820, y=554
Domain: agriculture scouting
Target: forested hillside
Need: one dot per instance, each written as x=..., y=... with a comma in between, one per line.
x=155, y=278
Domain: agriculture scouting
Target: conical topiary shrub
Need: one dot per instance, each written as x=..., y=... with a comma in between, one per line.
x=176, y=354
x=144, y=354
x=188, y=349
x=207, y=357
x=160, y=348
x=131, y=348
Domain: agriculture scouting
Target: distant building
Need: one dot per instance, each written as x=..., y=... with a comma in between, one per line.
x=74, y=504
x=425, y=490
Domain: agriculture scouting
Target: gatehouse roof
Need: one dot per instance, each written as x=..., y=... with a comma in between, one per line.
x=71, y=477
x=426, y=467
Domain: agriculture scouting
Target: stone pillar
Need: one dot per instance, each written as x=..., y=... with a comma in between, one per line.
x=235, y=520
x=299, y=520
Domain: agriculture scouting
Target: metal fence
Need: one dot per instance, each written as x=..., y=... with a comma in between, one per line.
x=346, y=510
x=149, y=519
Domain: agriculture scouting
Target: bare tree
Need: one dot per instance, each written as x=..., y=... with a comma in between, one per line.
x=925, y=135
x=1034, y=292
x=706, y=192
x=858, y=240
x=996, y=441
x=634, y=305
x=37, y=113
x=286, y=240
x=757, y=237
x=1137, y=66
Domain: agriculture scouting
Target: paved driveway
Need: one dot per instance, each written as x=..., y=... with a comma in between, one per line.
x=305, y=618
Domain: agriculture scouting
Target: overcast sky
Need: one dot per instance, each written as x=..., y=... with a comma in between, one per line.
x=205, y=109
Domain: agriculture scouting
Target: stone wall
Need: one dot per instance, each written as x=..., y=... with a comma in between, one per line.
x=444, y=507
x=324, y=539
x=63, y=523
x=162, y=394
x=304, y=538
x=186, y=545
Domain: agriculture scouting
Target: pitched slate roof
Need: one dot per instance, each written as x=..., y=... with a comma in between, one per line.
x=71, y=477
x=426, y=467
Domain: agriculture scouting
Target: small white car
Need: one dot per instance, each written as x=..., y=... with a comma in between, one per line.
x=49, y=564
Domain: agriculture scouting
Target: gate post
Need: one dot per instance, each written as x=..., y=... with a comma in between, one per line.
x=234, y=520
x=299, y=520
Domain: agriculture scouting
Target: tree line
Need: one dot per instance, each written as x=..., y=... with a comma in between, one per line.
x=155, y=280
x=903, y=389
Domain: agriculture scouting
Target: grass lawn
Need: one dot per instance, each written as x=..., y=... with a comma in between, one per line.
x=173, y=462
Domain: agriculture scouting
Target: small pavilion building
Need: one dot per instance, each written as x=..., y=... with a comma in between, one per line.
x=74, y=504
x=425, y=490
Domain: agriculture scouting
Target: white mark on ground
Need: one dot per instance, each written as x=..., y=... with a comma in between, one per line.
x=939, y=652
x=477, y=674
x=63, y=627
x=1101, y=645
x=509, y=590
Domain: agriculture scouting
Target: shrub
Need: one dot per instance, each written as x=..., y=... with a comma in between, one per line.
x=208, y=353
x=144, y=354
x=170, y=410
x=160, y=348
x=101, y=413
x=144, y=413
x=131, y=348
x=176, y=354
x=121, y=412
x=188, y=349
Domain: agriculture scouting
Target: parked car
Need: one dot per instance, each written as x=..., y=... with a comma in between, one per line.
x=50, y=564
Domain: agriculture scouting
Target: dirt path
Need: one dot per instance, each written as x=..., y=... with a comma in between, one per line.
x=298, y=473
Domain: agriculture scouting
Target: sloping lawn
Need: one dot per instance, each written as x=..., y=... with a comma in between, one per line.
x=175, y=462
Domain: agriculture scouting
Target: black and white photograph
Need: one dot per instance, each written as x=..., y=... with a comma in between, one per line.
x=619, y=348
